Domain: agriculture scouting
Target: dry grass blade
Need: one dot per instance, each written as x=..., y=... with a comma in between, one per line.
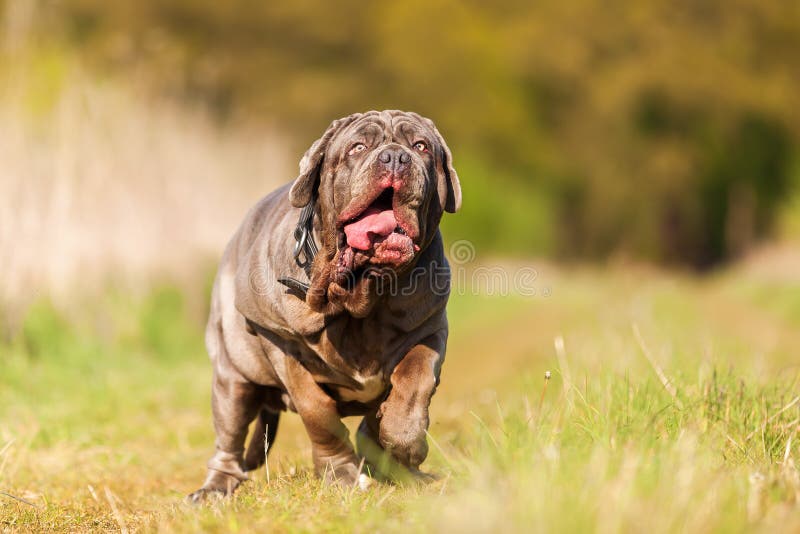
x=385, y=496
x=266, y=451
x=756, y=497
x=20, y=499
x=485, y=428
x=439, y=448
x=357, y=483
x=773, y=417
x=111, y=498
x=741, y=449
x=561, y=354
x=3, y=457
x=657, y=368
x=6, y=447
x=444, y=484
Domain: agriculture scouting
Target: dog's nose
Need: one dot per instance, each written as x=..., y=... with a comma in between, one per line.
x=395, y=159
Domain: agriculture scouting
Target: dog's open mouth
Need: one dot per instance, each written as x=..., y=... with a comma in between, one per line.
x=375, y=237
x=374, y=223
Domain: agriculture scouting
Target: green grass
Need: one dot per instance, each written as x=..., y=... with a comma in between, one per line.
x=105, y=419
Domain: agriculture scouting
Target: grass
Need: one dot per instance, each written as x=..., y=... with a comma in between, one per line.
x=104, y=390
x=105, y=420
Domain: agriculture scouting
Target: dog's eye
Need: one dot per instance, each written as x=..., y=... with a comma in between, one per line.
x=358, y=147
x=420, y=146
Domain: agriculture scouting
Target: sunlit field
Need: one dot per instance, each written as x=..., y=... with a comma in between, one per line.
x=672, y=405
x=607, y=394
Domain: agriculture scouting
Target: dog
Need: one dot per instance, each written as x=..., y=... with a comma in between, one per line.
x=330, y=302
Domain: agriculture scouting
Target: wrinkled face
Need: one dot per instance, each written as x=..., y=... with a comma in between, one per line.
x=383, y=180
x=383, y=185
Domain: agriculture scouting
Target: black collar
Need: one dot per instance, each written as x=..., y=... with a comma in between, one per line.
x=305, y=245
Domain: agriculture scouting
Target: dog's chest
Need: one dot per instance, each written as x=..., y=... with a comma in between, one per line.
x=359, y=356
x=366, y=388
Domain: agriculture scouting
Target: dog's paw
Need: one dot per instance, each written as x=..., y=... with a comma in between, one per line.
x=402, y=435
x=347, y=476
x=204, y=495
x=218, y=485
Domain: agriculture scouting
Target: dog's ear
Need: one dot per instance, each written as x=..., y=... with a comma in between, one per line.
x=447, y=175
x=311, y=164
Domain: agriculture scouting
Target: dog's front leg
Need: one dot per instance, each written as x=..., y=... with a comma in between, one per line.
x=403, y=416
x=334, y=458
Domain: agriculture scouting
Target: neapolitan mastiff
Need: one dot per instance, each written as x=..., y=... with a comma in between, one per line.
x=330, y=302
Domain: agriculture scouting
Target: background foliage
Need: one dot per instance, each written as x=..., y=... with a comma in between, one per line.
x=667, y=130
x=136, y=134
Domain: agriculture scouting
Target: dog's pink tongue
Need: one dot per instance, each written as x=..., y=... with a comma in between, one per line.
x=373, y=223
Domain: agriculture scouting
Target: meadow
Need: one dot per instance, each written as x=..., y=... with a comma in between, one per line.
x=673, y=402
x=672, y=406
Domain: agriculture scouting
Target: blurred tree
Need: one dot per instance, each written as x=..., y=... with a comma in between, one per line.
x=663, y=129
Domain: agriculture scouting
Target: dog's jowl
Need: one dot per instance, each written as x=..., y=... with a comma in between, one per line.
x=329, y=302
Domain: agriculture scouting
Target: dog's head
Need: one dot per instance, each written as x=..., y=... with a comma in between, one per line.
x=383, y=180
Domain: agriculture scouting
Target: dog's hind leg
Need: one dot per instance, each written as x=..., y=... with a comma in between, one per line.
x=235, y=402
x=262, y=439
x=369, y=448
